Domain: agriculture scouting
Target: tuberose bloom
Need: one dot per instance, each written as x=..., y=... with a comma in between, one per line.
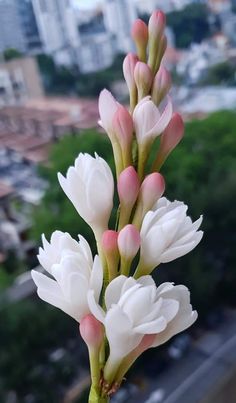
x=89, y=185
x=148, y=121
x=166, y=234
x=136, y=308
x=61, y=244
x=74, y=274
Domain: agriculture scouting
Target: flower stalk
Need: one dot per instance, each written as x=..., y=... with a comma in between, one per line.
x=122, y=315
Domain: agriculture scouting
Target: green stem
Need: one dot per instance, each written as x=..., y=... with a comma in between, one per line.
x=95, y=397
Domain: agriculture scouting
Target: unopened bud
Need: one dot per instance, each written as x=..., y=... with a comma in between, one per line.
x=140, y=36
x=111, y=251
x=170, y=138
x=151, y=190
x=109, y=241
x=128, y=187
x=161, y=51
x=91, y=331
x=156, y=28
x=161, y=85
x=129, y=242
x=156, y=25
x=128, y=70
x=143, y=78
x=123, y=128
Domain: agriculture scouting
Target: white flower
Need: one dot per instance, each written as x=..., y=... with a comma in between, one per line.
x=166, y=234
x=89, y=185
x=136, y=308
x=75, y=273
x=61, y=244
x=185, y=316
x=148, y=121
x=108, y=107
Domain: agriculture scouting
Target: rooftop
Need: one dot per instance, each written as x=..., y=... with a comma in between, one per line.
x=5, y=190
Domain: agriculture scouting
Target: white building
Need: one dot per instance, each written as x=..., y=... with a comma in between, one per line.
x=148, y=6
x=97, y=52
x=119, y=16
x=198, y=60
x=58, y=28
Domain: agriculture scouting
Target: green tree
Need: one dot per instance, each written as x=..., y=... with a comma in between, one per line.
x=11, y=53
x=189, y=24
x=56, y=211
x=32, y=331
x=222, y=73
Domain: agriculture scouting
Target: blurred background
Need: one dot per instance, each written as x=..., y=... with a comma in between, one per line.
x=55, y=57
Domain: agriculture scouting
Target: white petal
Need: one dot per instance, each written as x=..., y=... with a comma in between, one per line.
x=113, y=291
x=156, y=326
x=95, y=308
x=107, y=106
x=96, y=279
x=178, y=251
x=50, y=292
x=121, y=337
x=169, y=308
x=163, y=121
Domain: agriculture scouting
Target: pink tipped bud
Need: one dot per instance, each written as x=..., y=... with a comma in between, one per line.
x=139, y=32
x=161, y=85
x=156, y=24
x=128, y=187
x=172, y=134
x=140, y=36
x=128, y=70
x=143, y=78
x=151, y=190
x=109, y=241
x=129, y=241
x=91, y=331
x=157, y=39
x=123, y=126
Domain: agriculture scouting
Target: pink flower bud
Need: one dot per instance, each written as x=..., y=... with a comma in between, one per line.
x=143, y=78
x=123, y=127
x=128, y=70
x=172, y=134
x=157, y=39
x=151, y=190
x=140, y=36
x=128, y=187
x=161, y=85
x=91, y=331
x=129, y=241
x=156, y=24
x=139, y=32
x=109, y=241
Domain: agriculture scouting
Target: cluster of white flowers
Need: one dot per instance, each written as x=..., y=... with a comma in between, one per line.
x=101, y=293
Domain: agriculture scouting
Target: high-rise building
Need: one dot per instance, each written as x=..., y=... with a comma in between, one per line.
x=119, y=16
x=11, y=33
x=18, y=28
x=29, y=25
x=58, y=28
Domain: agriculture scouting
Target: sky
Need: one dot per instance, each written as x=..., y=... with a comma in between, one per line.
x=85, y=4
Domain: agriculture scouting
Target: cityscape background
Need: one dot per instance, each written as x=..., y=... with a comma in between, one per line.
x=55, y=58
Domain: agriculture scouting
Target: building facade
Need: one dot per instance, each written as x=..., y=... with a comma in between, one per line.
x=58, y=28
x=11, y=33
x=119, y=16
